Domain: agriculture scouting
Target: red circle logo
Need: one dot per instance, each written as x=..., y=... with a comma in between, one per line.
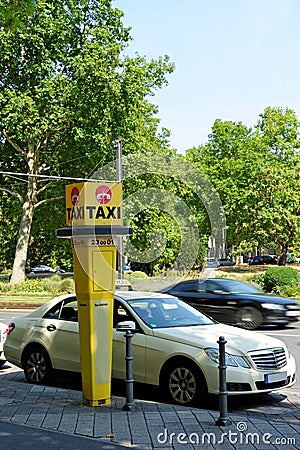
x=103, y=194
x=75, y=195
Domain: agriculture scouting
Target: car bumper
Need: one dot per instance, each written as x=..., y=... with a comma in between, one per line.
x=281, y=319
x=13, y=354
x=252, y=381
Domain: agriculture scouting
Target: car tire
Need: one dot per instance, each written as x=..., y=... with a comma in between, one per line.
x=249, y=318
x=37, y=365
x=183, y=383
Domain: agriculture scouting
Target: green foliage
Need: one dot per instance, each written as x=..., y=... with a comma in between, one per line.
x=67, y=91
x=28, y=286
x=44, y=246
x=9, y=223
x=56, y=284
x=276, y=277
x=258, y=279
x=292, y=291
x=12, y=13
x=257, y=175
x=4, y=287
x=67, y=285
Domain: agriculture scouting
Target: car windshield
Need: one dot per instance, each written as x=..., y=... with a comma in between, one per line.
x=168, y=312
x=237, y=287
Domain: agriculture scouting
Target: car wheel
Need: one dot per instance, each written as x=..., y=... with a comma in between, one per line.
x=37, y=366
x=249, y=318
x=183, y=383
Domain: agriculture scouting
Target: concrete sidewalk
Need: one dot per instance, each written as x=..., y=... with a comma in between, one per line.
x=151, y=425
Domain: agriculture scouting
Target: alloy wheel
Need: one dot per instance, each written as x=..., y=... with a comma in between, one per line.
x=182, y=385
x=249, y=318
x=37, y=366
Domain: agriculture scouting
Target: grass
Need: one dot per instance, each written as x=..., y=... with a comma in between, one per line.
x=24, y=298
x=22, y=301
x=34, y=291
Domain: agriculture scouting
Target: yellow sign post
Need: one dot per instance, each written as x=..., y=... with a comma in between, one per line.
x=94, y=220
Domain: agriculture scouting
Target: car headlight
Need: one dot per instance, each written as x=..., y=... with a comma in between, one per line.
x=272, y=306
x=241, y=361
x=230, y=360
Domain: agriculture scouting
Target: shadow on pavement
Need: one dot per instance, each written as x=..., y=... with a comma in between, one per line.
x=273, y=403
x=265, y=403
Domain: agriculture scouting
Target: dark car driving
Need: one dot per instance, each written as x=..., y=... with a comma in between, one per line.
x=235, y=302
x=261, y=260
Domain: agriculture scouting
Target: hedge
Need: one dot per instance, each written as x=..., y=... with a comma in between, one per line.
x=277, y=277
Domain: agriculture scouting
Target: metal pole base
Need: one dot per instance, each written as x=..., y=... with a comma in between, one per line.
x=223, y=421
x=129, y=407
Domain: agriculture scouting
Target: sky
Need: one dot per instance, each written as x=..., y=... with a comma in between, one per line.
x=233, y=58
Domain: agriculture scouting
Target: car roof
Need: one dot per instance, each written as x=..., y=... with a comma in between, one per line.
x=202, y=280
x=135, y=295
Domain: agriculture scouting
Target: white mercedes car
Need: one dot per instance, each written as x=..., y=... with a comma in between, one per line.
x=3, y=329
x=174, y=347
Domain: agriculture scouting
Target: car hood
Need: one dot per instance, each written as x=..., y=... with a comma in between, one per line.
x=239, y=341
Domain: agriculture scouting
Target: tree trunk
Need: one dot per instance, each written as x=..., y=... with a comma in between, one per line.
x=284, y=252
x=28, y=207
x=18, y=273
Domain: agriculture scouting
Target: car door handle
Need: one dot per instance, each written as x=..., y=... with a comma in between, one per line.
x=51, y=327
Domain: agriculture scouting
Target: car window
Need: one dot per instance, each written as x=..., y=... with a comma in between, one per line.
x=121, y=314
x=189, y=286
x=168, y=312
x=69, y=312
x=202, y=286
x=238, y=287
x=65, y=310
x=212, y=286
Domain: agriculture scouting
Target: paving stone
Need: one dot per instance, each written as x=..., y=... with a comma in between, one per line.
x=68, y=423
x=62, y=410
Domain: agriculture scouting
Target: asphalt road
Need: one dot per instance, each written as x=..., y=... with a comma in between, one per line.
x=16, y=437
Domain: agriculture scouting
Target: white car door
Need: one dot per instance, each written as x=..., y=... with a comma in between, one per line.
x=119, y=347
x=59, y=334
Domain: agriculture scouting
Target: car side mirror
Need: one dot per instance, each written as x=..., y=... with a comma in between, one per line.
x=126, y=325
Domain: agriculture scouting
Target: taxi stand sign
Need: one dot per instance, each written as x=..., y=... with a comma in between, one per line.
x=94, y=218
x=92, y=203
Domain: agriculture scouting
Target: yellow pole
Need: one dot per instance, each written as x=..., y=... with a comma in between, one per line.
x=94, y=219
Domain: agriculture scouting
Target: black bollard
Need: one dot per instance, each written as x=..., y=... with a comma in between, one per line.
x=223, y=419
x=130, y=403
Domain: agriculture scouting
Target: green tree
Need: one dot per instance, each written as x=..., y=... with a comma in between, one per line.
x=227, y=160
x=12, y=12
x=278, y=134
x=256, y=173
x=66, y=93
